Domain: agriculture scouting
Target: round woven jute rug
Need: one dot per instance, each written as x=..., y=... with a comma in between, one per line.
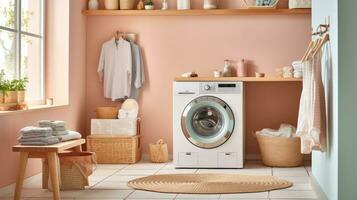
x=208, y=183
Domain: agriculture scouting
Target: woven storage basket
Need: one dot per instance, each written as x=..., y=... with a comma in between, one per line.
x=107, y=113
x=127, y=4
x=279, y=151
x=71, y=177
x=112, y=149
x=159, y=152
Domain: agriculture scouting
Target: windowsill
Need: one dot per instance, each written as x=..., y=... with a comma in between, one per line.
x=31, y=109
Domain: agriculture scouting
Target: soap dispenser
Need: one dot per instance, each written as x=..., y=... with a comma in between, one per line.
x=227, y=69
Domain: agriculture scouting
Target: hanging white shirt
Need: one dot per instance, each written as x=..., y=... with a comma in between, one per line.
x=115, y=67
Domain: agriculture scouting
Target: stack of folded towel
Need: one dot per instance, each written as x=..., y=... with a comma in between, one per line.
x=58, y=127
x=48, y=132
x=297, y=69
x=37, y=136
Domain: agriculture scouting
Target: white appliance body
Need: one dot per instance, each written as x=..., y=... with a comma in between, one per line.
x=208, y=124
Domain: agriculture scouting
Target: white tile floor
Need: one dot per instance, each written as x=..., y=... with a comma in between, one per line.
x=109, y=182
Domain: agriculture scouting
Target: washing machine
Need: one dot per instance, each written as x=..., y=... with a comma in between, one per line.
x=208, y=124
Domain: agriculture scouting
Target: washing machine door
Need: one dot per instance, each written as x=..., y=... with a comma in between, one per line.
x=207, y=122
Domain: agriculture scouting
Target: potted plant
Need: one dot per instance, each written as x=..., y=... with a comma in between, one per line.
x=9, y=91
x=20, y=87
x=149, y=5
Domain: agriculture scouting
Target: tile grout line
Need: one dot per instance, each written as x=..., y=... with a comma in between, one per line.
x=92, y=187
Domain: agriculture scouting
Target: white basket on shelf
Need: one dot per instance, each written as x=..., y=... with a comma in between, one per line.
x=299, y=4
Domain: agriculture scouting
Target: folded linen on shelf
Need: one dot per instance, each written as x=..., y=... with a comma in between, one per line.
x=55, y=125
x=60, y=133
x=36, y=135
x=28, y=130
x=72, y=135
x=40, y=140
x=123, y=114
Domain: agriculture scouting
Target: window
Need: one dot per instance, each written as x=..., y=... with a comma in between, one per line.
x=22, y=44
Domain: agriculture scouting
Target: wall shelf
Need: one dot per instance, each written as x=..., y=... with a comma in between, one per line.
x=237, y=79
x=197, y=12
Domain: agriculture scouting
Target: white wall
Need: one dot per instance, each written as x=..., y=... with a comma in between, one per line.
x=325, y=164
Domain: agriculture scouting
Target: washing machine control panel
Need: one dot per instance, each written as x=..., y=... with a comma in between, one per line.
x=219, y=88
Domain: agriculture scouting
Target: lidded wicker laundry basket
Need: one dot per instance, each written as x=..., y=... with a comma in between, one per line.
x=280, y=151
x=116, y=149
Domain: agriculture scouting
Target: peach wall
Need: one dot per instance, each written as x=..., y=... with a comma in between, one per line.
x=72, y=114
x=174, y=45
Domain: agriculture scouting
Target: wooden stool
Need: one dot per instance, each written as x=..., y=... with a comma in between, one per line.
x=51, y=153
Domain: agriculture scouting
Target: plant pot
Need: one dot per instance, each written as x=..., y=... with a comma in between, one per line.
x=20, y=96
x=10, y=97
x=127, y=4
x=93, y=4
x=111, y=4
x=149, y=7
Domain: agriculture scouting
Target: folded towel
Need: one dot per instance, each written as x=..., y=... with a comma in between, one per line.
x=72, y=135
x=58, y=128
x=36, y=135
x=60, y=133
x=40, y=141
x=51, y=123
x=123, y=114
x=31, y=129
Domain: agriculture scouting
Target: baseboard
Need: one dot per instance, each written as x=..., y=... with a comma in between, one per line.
x=317, y=188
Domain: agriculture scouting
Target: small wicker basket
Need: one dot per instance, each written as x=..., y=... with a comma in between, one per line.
x=159, y=152
x=279, y=151
x=107, y=112
x=127, y=4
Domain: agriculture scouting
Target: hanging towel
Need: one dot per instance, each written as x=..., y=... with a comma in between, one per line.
x=312, y=112
x=138, y=76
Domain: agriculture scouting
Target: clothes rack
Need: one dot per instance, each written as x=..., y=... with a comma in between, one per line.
x=127, y=36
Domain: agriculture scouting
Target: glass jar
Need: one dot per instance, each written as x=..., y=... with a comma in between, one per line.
x=210, y=4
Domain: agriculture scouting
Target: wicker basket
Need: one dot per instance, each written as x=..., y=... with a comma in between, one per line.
x=280, y=152
x=127, y=4
x=71, y=176
x=107, y=113
x=159, y=152
x=111, y=149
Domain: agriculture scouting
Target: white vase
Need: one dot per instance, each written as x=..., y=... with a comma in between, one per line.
x=93, y=4
x=111, y=4
x=165, y=5
x=210, y=4
x=183, y=4
x=149, y=7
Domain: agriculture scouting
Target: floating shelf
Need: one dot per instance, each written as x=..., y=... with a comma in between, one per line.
x=237, y=79
x=197, y=12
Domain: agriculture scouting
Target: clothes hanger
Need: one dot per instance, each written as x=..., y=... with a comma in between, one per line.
x=307, y=51
x=325, y=38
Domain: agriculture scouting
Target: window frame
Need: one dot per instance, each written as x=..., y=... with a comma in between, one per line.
x=17, y=30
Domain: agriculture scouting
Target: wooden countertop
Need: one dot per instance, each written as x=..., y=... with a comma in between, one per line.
x=236, y=79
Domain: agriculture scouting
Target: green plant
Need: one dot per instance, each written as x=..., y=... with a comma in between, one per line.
x=148, y=3
x=20, y=84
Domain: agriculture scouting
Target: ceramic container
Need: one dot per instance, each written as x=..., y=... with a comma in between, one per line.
x=165, y=5
x=111, y=4
x=242, y=69
x=209, y=4
x=217, y=74
x=183, y=4
x=149, y=7
x=93, y=4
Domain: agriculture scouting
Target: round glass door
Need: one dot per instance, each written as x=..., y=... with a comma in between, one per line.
x=207, y=122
